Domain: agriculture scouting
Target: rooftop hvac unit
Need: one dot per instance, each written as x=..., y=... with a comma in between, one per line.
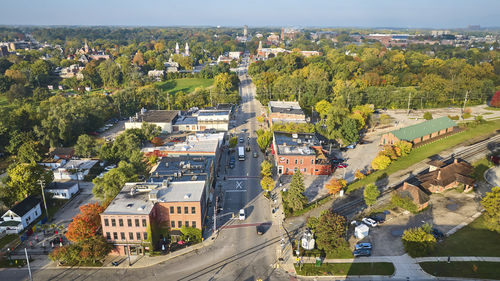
x=193, y=178
x=295, y=136
x=187, y=195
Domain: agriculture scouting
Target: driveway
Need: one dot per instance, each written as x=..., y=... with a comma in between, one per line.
x=492, y=176
x=66, y=213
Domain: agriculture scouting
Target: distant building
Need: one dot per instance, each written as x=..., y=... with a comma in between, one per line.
x=415, y=194
x=171, y=66
x=245, y=30
x=156, y=74
x=224, y=59
x=300, y=152
x=235, y=55
x=285, y=112
x=195, y=145
x=21, y=215
x=161, y=118
x=273, y=38
x=420, y=132
x=71, y=71
x=73, y=169
x=62, y=190
x=61, y=152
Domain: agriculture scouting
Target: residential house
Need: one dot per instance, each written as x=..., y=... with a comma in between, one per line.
x=21, y=215
x=162, y=118
x=62, y=190
x=442, y=177
x=421, y=132
x=300, y=152
x=156, y=74
x=75, y=169
x=224, y=59
x=235, y=55
x=415, y=194
x=285, y=112
x=61, y=152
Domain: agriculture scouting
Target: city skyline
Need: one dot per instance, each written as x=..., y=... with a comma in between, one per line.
x=316, y=13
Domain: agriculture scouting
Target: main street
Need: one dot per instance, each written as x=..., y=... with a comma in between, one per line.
x=238, y=253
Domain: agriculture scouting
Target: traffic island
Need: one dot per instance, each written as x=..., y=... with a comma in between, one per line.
x=463, y=269
x=345, y=269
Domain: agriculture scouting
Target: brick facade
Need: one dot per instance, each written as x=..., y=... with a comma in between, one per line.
x=123, y=230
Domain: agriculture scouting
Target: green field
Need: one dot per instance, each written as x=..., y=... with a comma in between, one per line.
x=346, y=269
x=186, y=85
x=421, y=153
x=464, y=269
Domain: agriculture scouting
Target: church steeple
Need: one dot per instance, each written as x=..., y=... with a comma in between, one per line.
x=176, y=48
x=260, y=45
x=86, y=47
x=186, y=51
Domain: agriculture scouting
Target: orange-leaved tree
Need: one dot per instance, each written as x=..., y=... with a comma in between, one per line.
x=335, y=185
x=85, y=225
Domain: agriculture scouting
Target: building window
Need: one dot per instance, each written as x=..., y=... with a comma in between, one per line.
x=312, y=161
x=115, y=236
x=108, y=236
x=305, y=170
x=129, y=222
x=171, y=209
x=193, y=210
x=138, y=234
x=295, y=169
x=122, y=235
x=106, y=222
x=131, y=236
x=120, y=222
x=287, y=161
x=178, y=210
x=186, y=210
x=137, y=222
x=300, y=161
x=113, y=222
x=145, y=235
x=172, y=223
x=179, y=224
x=144, y=223
x=186, y=224
x=295, y=161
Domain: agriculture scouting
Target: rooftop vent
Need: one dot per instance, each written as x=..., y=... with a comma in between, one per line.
x=130, y=205
x=187, y=195
x=295, y=136
x=132, y=192
x=193, y=178
x=141, y=208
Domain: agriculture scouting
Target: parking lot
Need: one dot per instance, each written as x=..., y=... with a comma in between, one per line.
x=72, y=208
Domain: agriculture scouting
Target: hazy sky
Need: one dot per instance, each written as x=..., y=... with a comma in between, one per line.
x=358, y=13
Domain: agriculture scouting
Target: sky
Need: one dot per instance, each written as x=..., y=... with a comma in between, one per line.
x=255, y=13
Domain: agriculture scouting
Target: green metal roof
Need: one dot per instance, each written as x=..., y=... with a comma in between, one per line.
x=422, y=129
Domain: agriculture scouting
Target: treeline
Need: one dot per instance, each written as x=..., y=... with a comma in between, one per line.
x=372, y=74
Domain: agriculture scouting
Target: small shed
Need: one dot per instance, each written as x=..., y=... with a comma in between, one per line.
x=361, y=231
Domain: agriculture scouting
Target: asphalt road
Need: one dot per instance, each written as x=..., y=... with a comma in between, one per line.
x=237, y=254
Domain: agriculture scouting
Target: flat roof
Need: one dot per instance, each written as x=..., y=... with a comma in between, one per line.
x=295, y=144
x=186, y=120
x=61, y=185
x=290, y=107
x=183, y=191
x=158, y=116
x=204, y=146
x=213, y=112
x=179, y=165
x=83, y=164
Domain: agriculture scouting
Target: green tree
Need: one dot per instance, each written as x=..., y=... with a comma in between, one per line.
x=419, y=241
x=267, y=183
x=22, y=180
x=330, y=231
x=404, y=147
x=404, y=203
x=264, y=139
x=295, y=198
x=491, y=205
x=85, y=146
x=233, y=142
x=427, y=115
x=150, y=130
x=266, y=169
x=349, y=131
x=110, y=73
x=107, y=187
x=371, y=194
x=29, y=152
x=191, y=234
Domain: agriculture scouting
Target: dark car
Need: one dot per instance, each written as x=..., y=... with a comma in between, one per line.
x=362, y=252
x=260, y=229
x=379, y=219
x=437, y=234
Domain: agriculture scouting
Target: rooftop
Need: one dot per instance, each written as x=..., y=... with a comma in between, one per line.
x=186, y=120
x=25, y=206
x=455, y=172
x=182, y=168
x=204, y=112
x=300, y=143
x=61, y=185
x=290, y=107
x=157, y=116
x=422, y=129
x=83, y=164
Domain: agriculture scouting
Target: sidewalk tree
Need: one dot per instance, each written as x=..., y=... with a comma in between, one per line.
x=266, y=169
x=191, y=234
x=419, y=241
x=335, y=185
x=86, y=224
x=381, y=162
x=233, y=142
x=371, y=194
x=330, y=231
x=267, y=183
x=295, y=198
x=85, y=146
x=491, y=205
x=264, y=139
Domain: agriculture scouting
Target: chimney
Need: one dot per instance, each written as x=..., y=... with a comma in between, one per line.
x=405, y=185
x=455, y=161
x=439, y=175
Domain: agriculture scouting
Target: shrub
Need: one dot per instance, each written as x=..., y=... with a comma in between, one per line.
x=495, y=100
x=404, y=203
x=466, y=115
x=381, y=162
x=454, y=117
x=427, y=116
x=419, y=241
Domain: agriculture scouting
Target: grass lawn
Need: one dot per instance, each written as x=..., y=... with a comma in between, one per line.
x=418, y=154
x=376, y=268
x=186, y=85
x=480, y=168
x=464, y=269
x=13, y=263
x=472, y=240
x=492, y=108
x=53, y=205
x=7, y=239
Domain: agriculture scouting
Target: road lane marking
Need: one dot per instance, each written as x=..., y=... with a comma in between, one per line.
x=238, y=190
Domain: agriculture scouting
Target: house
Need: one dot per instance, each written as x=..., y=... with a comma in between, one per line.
x=285, y=112
x=235, y=55
x=21, y=215
x=171, y=66
x=61, y=152
x=300, y=152
x=224, y=59
x=161, y=118
x=71, y=71
x=209, y=119
x=62, y=190
x=126, y=220
x=420, y=132
x=442, y=177
x=74, y=169
x=415, y=194
x=156, y=74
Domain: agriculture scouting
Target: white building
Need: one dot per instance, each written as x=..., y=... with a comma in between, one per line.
x=74, y=169
x=235, y=55
x=63, y=190
x=213, y=119
x=156, y=74
x=21, y=215
x=161, y=118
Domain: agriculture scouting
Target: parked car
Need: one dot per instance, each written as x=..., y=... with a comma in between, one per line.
x=366, y=245
x=342, y=165
x=351, y=146
x=369, y=222
x=255, y=155
x=377, y=218
x=242, y=215
x=362, y=252
x=437, y=234
x=241, y=140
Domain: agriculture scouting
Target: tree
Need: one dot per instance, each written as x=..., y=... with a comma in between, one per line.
x=295, y=198
x=264, y=139
x=335, y=185
x=85, y=146
x=267, y=183
x=330, y=231
x=233, y=142
x=29, y=152
x=107, y=187
x=157, y=141
x=150, y=130
x=427, y=115
x=138, y=59
x=491, y=205
x=381, y=162
x=404, y=203
x=22, y=180
x=191, y=234
x=495, y=100
x=419, y=241
x=86, y=224
x=110, y=73
x=266, y=169
x=92, y=251
x=371, y=194
x=404, y=147
x=359, y=175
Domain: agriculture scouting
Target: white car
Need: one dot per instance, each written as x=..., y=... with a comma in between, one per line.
x=242, y=215
x=110, y=167
x=369, y=222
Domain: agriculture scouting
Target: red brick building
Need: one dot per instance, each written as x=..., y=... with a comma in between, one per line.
x=442, y=177
x=420, y=132
x=299, y=152
x=285, y=112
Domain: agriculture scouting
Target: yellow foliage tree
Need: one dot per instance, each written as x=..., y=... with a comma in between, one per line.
x=335, y=185
x=381, y=162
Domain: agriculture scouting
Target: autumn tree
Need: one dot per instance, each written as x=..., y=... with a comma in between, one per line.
x=157, y=141
x=86, y=224
x=491, y=204
x=330, y=231
x=138, y=59
x=495, y=100
x=381, y=162
x=264, y=139
x=266, y=169
x=267, y=183
x=419, y=241
x=359, y=175
x=404, y=147
x=335, y=185
x=371, y=194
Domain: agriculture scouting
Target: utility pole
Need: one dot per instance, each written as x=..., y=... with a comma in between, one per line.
x=28, y=262
x=465, y=100
x=42, y=185
x=409, y=101
x=215, y=213
x=128, y=253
